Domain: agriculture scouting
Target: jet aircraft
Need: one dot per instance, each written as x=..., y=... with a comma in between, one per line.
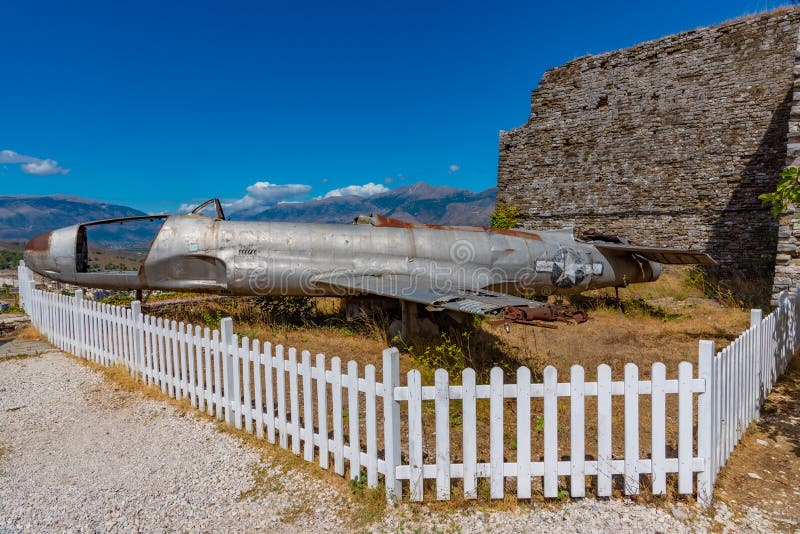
x=499, y=273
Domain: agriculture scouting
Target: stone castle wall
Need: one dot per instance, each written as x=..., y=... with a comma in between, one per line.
x=787, y=260
x=668, y=143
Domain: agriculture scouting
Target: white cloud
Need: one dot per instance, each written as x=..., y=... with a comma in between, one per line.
x=366, y=190
x=32, y=165
x=43, y=168
x=9, y=156
x=452, y=169
x=262, y=195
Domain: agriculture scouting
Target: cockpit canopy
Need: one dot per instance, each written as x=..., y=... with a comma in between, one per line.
x=219, y=214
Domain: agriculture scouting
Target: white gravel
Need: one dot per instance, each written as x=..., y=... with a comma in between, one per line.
x=78, y=455
x=84, y=457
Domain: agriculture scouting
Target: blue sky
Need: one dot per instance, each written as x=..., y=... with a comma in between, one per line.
x=153, y=105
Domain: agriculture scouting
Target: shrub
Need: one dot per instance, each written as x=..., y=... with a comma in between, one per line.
x=504, y=217
x=787, y=191
x=120, y=299
x=284, y=309
x=9, y=260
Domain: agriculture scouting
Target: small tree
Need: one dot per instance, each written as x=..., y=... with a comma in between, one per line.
x=504, y=217
x=787, y=192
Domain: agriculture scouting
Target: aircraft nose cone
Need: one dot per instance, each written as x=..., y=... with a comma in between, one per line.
x=37, y=251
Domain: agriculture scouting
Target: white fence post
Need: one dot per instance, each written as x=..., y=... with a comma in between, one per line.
x=577, y=455
x=781, y=352
x=685, y=417
x=442, y=435
x=138, y=337
x=308, y=408
x=523, y=433
x=631, y=429
x=469, y=426
x=79, y=348
x=658, y=428
x=550, y=414
x=496, y=407
x=34, y=311
x=294, y=400
x=372, y=424
x=706, y=417
x=756, y=316
x=226, y=331
x=336, y=412
x=322, y=410
x=354, y=418
x=415, y=462
x=21, y=285
x=604, y=424
x=391, y=423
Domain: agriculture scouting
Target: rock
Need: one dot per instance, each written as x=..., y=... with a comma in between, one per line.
x=679, y=513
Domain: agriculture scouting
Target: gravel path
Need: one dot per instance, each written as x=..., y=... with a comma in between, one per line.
x=78, y=454
x=82, y=456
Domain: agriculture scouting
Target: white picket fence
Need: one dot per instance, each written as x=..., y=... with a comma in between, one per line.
x=267, y=390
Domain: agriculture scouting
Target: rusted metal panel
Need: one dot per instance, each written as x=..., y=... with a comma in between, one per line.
x=388, y=222
x=40, y=243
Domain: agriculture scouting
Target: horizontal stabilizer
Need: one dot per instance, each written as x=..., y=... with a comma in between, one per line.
x=672, y=256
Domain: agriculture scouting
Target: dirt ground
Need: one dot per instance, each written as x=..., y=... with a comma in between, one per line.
x=764, y=470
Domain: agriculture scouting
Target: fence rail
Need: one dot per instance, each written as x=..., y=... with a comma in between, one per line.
x=325, y=411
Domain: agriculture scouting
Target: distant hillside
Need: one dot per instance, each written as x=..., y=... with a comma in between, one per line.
x=416, y=203
x=22, y=217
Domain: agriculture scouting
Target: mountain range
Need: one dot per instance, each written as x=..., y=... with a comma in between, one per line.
x=419, y=202
x=22, y=216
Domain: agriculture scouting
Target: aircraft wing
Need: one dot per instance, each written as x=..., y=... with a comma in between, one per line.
x=674, y=256
x=422, y=291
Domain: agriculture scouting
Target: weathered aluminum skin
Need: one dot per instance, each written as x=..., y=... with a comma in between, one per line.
x=476, y=270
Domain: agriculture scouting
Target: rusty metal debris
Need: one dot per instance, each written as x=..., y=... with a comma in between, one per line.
x=472, y=270
x=544, y=316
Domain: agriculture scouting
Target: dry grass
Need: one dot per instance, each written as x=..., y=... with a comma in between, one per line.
x=13, y=357
x=30, y=333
